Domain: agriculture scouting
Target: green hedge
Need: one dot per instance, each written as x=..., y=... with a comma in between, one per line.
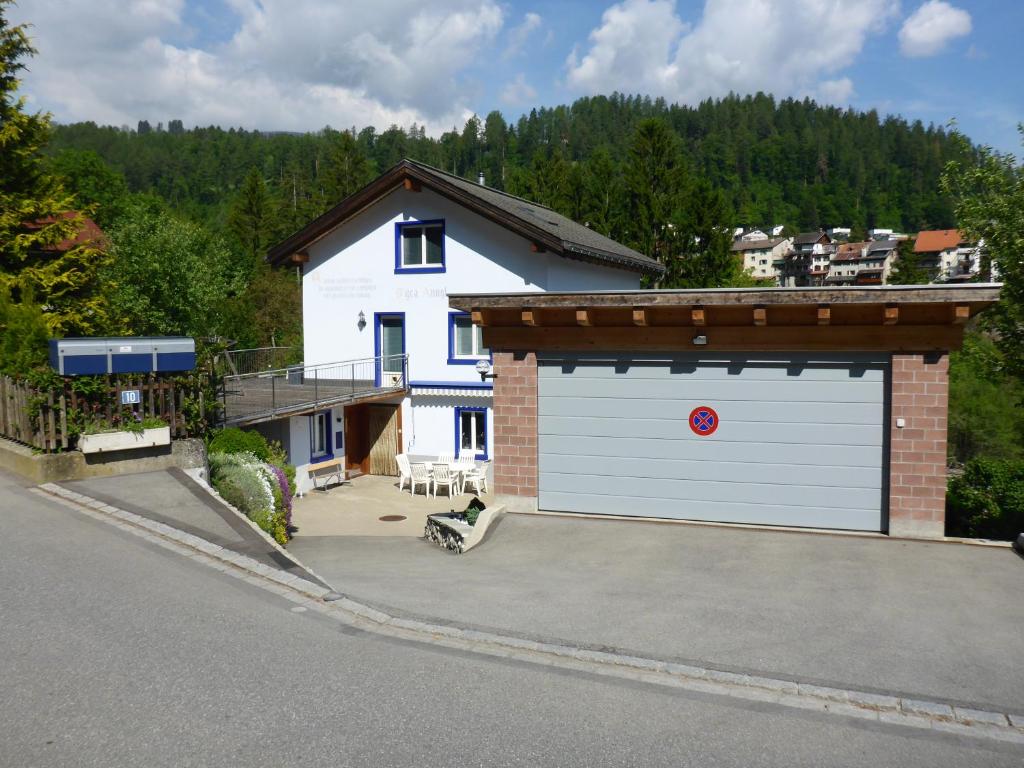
x=987, y=500
x=235, y=440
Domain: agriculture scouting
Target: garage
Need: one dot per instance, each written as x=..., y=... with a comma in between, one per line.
x=806, y=407
x=794, y=441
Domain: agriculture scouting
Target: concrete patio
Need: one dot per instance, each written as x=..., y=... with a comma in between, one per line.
x=355, y=509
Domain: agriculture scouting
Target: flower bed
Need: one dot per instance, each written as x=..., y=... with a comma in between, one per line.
x=256, y=489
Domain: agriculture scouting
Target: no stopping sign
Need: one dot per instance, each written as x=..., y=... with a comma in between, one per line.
x=703, y=420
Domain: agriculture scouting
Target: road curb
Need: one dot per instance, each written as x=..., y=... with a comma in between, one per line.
x=887, y=709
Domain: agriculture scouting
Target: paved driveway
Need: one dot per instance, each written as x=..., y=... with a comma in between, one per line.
x=939, y=620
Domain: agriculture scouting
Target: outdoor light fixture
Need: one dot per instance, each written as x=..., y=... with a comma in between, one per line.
x=700, y=341
x=483, y=367
x=362, y=320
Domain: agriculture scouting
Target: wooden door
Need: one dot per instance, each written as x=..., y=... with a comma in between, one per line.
x=383, y=432
x=357, y=453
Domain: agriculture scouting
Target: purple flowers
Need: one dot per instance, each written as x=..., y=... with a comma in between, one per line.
x=286, y=496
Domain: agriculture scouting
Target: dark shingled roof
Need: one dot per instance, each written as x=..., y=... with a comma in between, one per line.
x=544, y=227
x=883, y=245
x=756, y=245
x=807, y=238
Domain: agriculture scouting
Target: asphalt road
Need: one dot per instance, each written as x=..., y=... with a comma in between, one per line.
x=115, y=652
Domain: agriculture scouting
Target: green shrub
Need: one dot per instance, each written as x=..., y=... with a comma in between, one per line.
x=987, y=500
x=250, y=485
x=235, y=440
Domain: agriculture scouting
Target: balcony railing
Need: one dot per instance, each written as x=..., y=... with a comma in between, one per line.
x=294, y=390
x=238, y=362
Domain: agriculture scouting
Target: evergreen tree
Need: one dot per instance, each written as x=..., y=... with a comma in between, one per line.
x=38, y=253
x=346, y=169
x=653, y=176
x=703, y=257
x=908, y=270
x=249, y=219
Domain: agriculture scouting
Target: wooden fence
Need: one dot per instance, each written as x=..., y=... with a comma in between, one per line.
x=49, y=420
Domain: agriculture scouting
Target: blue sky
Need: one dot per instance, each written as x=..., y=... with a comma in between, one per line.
x=303, y=64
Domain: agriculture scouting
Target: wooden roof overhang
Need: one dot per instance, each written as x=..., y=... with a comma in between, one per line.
x=843, y=318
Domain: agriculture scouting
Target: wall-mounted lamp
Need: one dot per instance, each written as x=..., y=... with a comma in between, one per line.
x=362, y=320
x=700, y=341
x=483, y=367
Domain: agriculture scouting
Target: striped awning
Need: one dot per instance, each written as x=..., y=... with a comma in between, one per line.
x=450, y=391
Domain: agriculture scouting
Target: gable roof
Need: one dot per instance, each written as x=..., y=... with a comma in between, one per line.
x=849, y=251
x=809, y=238
x=537, y=223
x=757, y=245
x=935, y=240
x=883, y=245
x=89, y=233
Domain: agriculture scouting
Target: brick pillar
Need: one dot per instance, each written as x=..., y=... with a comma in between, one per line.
x=515, y=430
x=917, y=451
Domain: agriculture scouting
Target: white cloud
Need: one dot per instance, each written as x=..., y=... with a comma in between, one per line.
x=289, y=65
x=928, y=29
x=518, y=92
x=630, y=51
x=836, y=91
x=785, y=47
x=519, y=34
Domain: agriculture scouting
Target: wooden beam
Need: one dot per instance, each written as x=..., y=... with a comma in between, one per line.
x=760, y=316
x=697, y=316
x=537, y=248
x=976, y=296
x=824, y=314
x=478, y=318
x=774, y=338
x=529, y=317
x=300, y=258
x=961, y=314
x=639, y=316
x=411, y=185
x=891, y=315
x=583, y=317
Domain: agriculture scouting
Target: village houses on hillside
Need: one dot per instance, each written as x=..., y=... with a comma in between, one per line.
x=826, y=257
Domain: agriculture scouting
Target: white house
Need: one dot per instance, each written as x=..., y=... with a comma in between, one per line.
x=376, y=273
x=761, y=257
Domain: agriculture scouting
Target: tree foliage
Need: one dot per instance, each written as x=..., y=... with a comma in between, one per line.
x=37, y=215
x=988, y=193
x=169, y=276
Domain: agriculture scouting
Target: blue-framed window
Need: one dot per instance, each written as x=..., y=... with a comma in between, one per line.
x=388, y=344
x=321, y=444
x=465, y=340
x=471, y=432
x=419, y=246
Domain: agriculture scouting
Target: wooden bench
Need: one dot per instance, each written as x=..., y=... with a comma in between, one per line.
x=322, y=473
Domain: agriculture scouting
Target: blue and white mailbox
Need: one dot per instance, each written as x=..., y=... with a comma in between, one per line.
x=130, y=354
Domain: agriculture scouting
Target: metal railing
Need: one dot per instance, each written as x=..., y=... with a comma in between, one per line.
x=293, y=390
x=239, y=362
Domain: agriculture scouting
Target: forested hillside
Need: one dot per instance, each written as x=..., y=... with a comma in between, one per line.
x=788, y=162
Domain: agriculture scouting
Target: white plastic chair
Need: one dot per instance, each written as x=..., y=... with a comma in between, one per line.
x=462, y=466
x=420, y=475
x=445, y=458
x=404, y=470
x=477, y=477
x=443, y=476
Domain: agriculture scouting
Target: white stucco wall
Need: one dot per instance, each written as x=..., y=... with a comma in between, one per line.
x=352, y=270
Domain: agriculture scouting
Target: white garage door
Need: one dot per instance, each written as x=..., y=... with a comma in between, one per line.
x=767, y=439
